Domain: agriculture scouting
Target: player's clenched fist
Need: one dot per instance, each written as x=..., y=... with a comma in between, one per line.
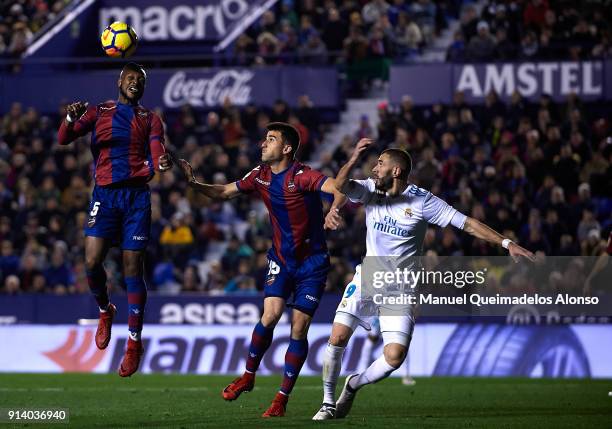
x=75, y=111
x=333, y=220
x=165, y=162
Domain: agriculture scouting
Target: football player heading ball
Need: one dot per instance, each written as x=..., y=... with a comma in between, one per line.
x=127, y=144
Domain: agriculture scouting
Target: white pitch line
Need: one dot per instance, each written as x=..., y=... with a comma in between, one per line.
x=127, y=389
x=97, y=389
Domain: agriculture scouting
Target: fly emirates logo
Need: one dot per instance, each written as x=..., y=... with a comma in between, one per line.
x=389, y=226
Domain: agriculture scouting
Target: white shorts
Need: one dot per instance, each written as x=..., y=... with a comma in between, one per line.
x=350, y=312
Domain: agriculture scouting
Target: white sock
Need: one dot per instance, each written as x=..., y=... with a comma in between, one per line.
x=332, y=362
x=378, y=370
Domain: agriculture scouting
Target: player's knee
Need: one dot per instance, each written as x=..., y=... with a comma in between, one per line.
x=299, y=330
x=340, y=337
x=92, y=261
x=395, y=354
x=270, y=318
x=300, y=325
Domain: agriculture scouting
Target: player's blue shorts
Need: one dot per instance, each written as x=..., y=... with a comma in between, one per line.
x=306, y=281
x=121, y=215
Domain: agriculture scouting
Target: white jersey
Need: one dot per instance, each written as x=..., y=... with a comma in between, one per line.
x=396, y=226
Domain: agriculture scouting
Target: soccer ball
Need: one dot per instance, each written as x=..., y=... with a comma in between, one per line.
x=119, y=40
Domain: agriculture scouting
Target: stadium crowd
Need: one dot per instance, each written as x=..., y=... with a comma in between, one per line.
x=351, y=31
x=538, y=172
x=364, y=35
x=21, y=19
x=533, y=30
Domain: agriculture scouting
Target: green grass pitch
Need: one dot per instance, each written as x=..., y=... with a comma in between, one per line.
x=186, y=401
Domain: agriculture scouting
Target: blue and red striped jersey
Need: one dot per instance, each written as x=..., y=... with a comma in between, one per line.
x=294, y=203
x=126, y=141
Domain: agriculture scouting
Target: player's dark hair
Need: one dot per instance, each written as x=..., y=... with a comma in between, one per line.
x=402, y=158
x=290, y=135
x=131, y=66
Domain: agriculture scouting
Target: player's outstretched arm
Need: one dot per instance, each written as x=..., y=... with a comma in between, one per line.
x=333, y=220
x=342, y=182
x=480, y=230
x=162, y=161
x=79, y=121
x=216, y=192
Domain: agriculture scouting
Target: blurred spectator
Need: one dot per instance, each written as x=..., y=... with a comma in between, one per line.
x=9, y=261
x=334, y=32
x=191, y=280
x=12, y=285
x=177, y=238
x=408, y=35
x=373, y=10
x=243, y=282
x=481, y=47
x=58, y=276
x=456, y=52
x=313, y=51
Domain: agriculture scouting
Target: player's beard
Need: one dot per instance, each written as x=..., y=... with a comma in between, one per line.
x=384, y=183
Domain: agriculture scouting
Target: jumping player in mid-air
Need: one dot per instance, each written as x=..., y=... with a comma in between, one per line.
x=389, y=199
x=298, y=260
x=127, y=143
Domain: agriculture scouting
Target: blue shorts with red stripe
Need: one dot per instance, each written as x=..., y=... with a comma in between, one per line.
x=121, y=215
x=305, y=281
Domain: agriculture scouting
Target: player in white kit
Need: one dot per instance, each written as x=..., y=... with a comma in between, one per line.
x=397, y=216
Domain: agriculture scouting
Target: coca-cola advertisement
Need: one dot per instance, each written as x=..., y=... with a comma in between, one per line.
x=171, y=89
x=209, y=91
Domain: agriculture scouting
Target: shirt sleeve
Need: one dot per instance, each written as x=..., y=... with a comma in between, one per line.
x=247, y=183
x=358, y=191
x=310, y=180
x=156, y=140
x=85, y=124
x=436, y=211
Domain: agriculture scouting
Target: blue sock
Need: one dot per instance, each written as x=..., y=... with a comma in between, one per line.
x=260, y=341
x=137, y=298
x=294, y=359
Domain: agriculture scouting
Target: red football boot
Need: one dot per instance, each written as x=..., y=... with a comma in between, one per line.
x=105, y=323
x=131, y=360
x=278, y=406
x=245, y=383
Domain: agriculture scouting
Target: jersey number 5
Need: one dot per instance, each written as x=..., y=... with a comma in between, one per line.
x=94, y=209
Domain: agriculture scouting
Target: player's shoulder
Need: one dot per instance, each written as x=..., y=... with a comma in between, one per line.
x=301, y=168
x=301, y=173
x=414, y=191
x=368, y=183
x=107, y=105
x=256, y=171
